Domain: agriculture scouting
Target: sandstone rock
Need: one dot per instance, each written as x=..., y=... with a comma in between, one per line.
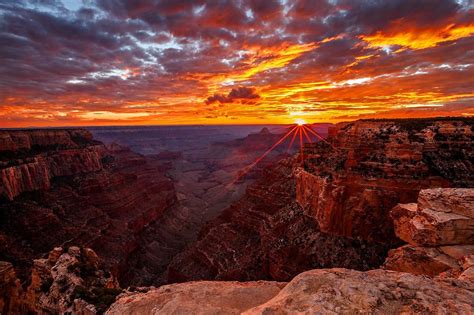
x=432, y=222
x=468, y=268
x=420, y=260
x=457, y=200
x=54, y=255
x=266, y=235
x=429, y=226
x=324, y=291
x=73, y=283
x=76, y=191
x=197, y=298
x=337, y=291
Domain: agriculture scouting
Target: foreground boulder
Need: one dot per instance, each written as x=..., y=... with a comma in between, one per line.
x=439, y=230
x=328, y=291
x=204, y=297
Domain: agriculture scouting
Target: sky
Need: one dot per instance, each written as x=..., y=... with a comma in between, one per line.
x=117, y=62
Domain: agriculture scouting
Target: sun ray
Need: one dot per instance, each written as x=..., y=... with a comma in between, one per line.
x=318, y=135
x=306, y=135
x=292, y=140
x=301, y=141
x=248, y=168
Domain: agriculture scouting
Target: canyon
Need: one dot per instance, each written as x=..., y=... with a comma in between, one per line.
x=364, y=215
x=331, y=206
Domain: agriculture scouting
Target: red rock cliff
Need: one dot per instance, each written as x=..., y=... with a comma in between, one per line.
x=350, y=186
x=67, y=188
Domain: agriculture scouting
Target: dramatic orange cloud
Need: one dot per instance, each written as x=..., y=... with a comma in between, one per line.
x=418, y=39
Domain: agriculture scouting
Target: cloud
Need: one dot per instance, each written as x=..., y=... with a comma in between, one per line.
x=243, y=95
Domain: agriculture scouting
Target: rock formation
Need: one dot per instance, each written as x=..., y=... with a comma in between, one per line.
x=68, y=189
x=349, y=184
x=439, y=230
x=323, y=291
x=68, y=281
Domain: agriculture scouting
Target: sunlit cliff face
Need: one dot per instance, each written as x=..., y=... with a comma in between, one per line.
x=112, y=62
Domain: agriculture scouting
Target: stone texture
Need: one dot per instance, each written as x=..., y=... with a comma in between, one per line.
x=439, y=230
x=60, y=287
x=324, y=291
x=10, y=290
x=339, y=291
x=433, y=222
x=203, y=297
x=458, y=201
x=71, y=281
x=420, y=260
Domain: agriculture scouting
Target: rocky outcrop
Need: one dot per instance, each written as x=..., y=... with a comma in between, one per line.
x=439, y=230
x=24, y=141
x=350, y=183
x=29, y=160
x=266, y=235
x=69, y=189
x=332, y=211
x=68, y=281
x=324, y=291
x=71, y=280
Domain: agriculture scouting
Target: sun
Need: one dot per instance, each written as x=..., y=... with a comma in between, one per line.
x=300, y=122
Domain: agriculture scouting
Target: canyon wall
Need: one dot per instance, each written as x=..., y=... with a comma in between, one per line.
x=61, y=187
x=350, y=183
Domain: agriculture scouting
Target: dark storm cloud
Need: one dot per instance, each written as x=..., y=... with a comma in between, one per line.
x=241, y=94
x=372, y=15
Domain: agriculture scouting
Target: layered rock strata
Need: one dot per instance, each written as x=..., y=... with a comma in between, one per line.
x=67, y=188
x=439, y=230
x=350, y=183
